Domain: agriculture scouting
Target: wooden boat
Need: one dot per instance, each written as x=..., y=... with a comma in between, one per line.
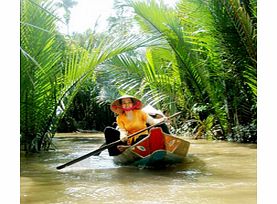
x=158, y=149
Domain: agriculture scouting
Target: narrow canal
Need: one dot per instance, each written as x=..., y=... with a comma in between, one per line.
x=214, y=172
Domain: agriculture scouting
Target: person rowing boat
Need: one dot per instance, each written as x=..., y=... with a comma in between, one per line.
x=130, y=119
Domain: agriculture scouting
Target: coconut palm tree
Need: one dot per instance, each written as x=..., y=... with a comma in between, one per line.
x=237, y=23
x=40, y=71
x=206, y=59
x=175, y=72
x=53, y=68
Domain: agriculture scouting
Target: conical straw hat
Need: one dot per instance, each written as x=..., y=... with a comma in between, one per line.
x=116, y=105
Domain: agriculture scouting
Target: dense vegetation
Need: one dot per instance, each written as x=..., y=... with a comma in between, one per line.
x=199, y=58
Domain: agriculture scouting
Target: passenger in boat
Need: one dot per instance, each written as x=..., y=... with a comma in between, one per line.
x=154, y=113
x=130, y=120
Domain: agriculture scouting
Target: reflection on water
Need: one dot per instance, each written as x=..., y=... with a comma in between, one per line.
x=214, y=172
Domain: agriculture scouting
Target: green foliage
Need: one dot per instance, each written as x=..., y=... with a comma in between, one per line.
x=199, y=58
x=245, y=134
x=54, y=68
x=207, y=56
x=177, y=71
x=237, y=24
x=40, y=73
x=85, y=113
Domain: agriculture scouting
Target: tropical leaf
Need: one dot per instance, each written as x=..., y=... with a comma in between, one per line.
x=53, y=69
x=40, y=57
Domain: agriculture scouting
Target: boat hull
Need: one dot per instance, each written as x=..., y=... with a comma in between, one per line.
x=156, y=150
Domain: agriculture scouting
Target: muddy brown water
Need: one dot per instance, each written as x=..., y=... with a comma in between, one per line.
x=214, y=172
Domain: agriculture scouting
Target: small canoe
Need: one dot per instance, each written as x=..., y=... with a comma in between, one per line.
x=158, y=149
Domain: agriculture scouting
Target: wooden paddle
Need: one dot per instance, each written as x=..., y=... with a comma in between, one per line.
x=106, y=146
